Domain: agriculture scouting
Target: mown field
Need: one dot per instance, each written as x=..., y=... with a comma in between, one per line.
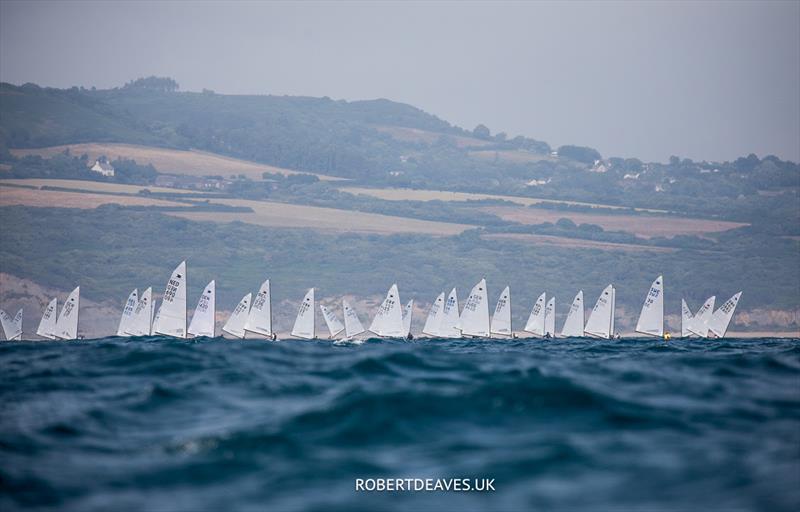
x=95, y=186
x=271, y=214
x=408, y=194
x=417, y=135
x=512, y=156
x=16, y=196
x=170, y=161
x=640, y=225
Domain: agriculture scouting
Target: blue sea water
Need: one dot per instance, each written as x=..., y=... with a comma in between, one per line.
x=159, y=424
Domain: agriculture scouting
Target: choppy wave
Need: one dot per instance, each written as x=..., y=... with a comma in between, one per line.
x=157, y=424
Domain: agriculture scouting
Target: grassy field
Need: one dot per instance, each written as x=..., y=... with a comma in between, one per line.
x=14, y=196
x=171, y=161
x=424, y=136
x=94, y=186
x=323, y=219
x=644, y=226
x=407, y=194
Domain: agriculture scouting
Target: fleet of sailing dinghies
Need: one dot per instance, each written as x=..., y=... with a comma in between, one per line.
x=392, y=319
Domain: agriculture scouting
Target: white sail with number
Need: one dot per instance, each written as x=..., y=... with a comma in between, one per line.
x=47, y=325
x=651, y=319
x=701, y=319
x=501, y=320
x=304, y=323
x=141, y=322
x=686, y=319
x=67, y=323
x=722, y=317
x=352, y=325
x=204, y=317
x=550, y=318
x=535, y=323
x=388, y=320
x=171, y=318
x=450, y=326
x=407, y=312
x=12, y=327
x=434, y=320
x=475, y=315
x=259, y=320
x=601, y=320
x=331, y=320
x=127, y=313
x=235, y=324
x=573, y=325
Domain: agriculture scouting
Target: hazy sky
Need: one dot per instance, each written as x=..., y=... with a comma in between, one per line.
x=711, y=80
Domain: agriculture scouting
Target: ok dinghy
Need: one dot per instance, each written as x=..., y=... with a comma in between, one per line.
x=721, y=318
x=601, y=319
x=67, y=322
x=171, y=318
x=407, y=318
x=127, y=313
x=259, y=320
x=651, y=318
x=501, y=320
x=699, y=322
x=141, y=322
x=204, y=316
x=535, y=323
x=686, y=319
x=573, y=325
x=304, y=323
x=47, y=325
x=475, y=315
x=331, y=320
x=388, y=321
x=434, y=319
x=550, y=318
x=235, y=324
x=352, y=325
x=12, y=327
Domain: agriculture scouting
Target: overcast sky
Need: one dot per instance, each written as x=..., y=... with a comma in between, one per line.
x=700, y=80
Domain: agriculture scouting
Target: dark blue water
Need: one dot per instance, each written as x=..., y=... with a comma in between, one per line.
x=159, y=424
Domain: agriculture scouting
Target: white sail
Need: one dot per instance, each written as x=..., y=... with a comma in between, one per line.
x=434, y=320
x=304, y=323
x=651, y=319
x=204, y=316
x=259, y=320
x=12, y=327
x=722, y=317
x=475, y=315
x=127, y=313
x=601, y=319
x=388, y=320
x=47, y=325
x=573, y=325
x=501, y=320
x=699, y=323
x=235, y=324
x=407, y=312
x=331, y=320
x=450, y=326
x=171, y=319
x=67, y=323
x=613, y=311
x=352, y=325
x=535, y=323
x=686, y=320
x=550, y=318
x=142, y=320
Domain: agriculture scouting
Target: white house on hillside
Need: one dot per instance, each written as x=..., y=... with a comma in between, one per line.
x=103, y=168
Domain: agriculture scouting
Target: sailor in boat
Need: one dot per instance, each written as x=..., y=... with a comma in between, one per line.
x=273, y=336
x=547, y=336
x=667, y=336
x=409, y=337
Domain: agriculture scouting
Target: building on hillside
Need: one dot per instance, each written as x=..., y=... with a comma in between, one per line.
x=103, y=167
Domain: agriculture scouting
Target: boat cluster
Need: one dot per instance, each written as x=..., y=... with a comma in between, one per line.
x=392, y=319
